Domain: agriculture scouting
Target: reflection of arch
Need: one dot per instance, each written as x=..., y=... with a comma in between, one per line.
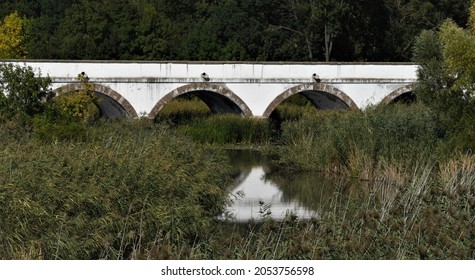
x=322, y=96
x=398, y=93
x=217, y=97
x=111, y=103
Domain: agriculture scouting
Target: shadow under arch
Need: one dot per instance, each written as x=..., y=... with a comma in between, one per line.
x=398, y=93
x=322, y=96
x=111, y=103
x=219, y=98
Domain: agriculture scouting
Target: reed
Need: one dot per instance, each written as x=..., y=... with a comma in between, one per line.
x=109, y=197
x=182, y=111
x=140, y=190
x=353, y=142
x=411, y=218
x=229, y=129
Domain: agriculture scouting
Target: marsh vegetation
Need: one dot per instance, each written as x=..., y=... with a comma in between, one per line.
x=141, y=190
x=74, y=186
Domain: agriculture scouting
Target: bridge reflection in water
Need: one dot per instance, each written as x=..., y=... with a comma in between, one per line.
x=257, y=192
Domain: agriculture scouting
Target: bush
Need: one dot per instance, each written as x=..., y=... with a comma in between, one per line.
x=48, y=130
x=21, y=91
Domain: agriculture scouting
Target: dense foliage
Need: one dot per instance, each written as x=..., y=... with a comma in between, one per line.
x=266, y=30
x=446, y=79
x=22, y=91
x=12, y=42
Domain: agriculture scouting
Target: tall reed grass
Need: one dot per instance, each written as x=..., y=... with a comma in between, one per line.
x=229, y=129
x=354, y=142
x=135, y=187
x=182, y=111
x=137, y=190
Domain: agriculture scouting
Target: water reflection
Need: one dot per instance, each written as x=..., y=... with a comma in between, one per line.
x=258, y=192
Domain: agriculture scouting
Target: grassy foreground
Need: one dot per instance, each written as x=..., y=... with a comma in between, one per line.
x=137, y=190
x=130, y=189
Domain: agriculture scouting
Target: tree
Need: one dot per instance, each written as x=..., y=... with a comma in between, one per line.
x=459, y=56
x=406, y=19
x=12, y=44
x=331, y=12
x=447, y=78
x=22, y=92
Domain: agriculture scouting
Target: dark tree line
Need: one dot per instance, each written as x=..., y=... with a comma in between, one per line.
x=264, y=30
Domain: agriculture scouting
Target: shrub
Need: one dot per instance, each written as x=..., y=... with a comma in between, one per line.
x=22, y=92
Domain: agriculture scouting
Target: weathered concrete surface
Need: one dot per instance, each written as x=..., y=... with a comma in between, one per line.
x=142, y=88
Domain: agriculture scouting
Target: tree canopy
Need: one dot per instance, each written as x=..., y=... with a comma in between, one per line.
x=12, y=43
x=266, y=30
x=447, y=77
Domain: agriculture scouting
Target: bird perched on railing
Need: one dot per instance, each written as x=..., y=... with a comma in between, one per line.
x=316, y=78
x=83, y=77
x=205, y=77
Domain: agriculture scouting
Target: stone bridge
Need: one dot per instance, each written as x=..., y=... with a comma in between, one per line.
x=130, y=89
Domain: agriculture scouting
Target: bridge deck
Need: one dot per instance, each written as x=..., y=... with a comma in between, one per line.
x=248, y=88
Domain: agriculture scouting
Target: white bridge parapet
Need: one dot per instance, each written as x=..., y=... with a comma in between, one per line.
x=135, y=88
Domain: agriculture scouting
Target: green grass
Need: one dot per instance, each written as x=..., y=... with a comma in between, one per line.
x=353, y=143
x=139, y=190
x=133, y=186
x=229, y=129
x=182, y=111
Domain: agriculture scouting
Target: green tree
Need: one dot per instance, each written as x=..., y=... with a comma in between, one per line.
x=12, y=43
x=406, y=19
x=331, y=13
x=300, y=24
x=68, y=115
x=459, y=56
x=44, y=16
x=447, y=78
x=22, y=92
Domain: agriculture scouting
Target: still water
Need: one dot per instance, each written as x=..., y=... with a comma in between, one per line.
x=258, y=192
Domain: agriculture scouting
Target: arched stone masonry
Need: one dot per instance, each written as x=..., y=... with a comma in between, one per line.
x=322, y=96
x=219, y=99
x=112, y=104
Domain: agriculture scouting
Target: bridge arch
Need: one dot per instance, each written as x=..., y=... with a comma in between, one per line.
x=218, y=98
x=112, y=104
x=398, y=93
x=322, y=96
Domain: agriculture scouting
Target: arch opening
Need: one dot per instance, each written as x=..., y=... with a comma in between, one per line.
x=324, y=101
x=110, y=108
x=321, y=96
x=405, y=98
x=218, y=98
x=405, y=95
x=110, y=103
x=218, y=104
